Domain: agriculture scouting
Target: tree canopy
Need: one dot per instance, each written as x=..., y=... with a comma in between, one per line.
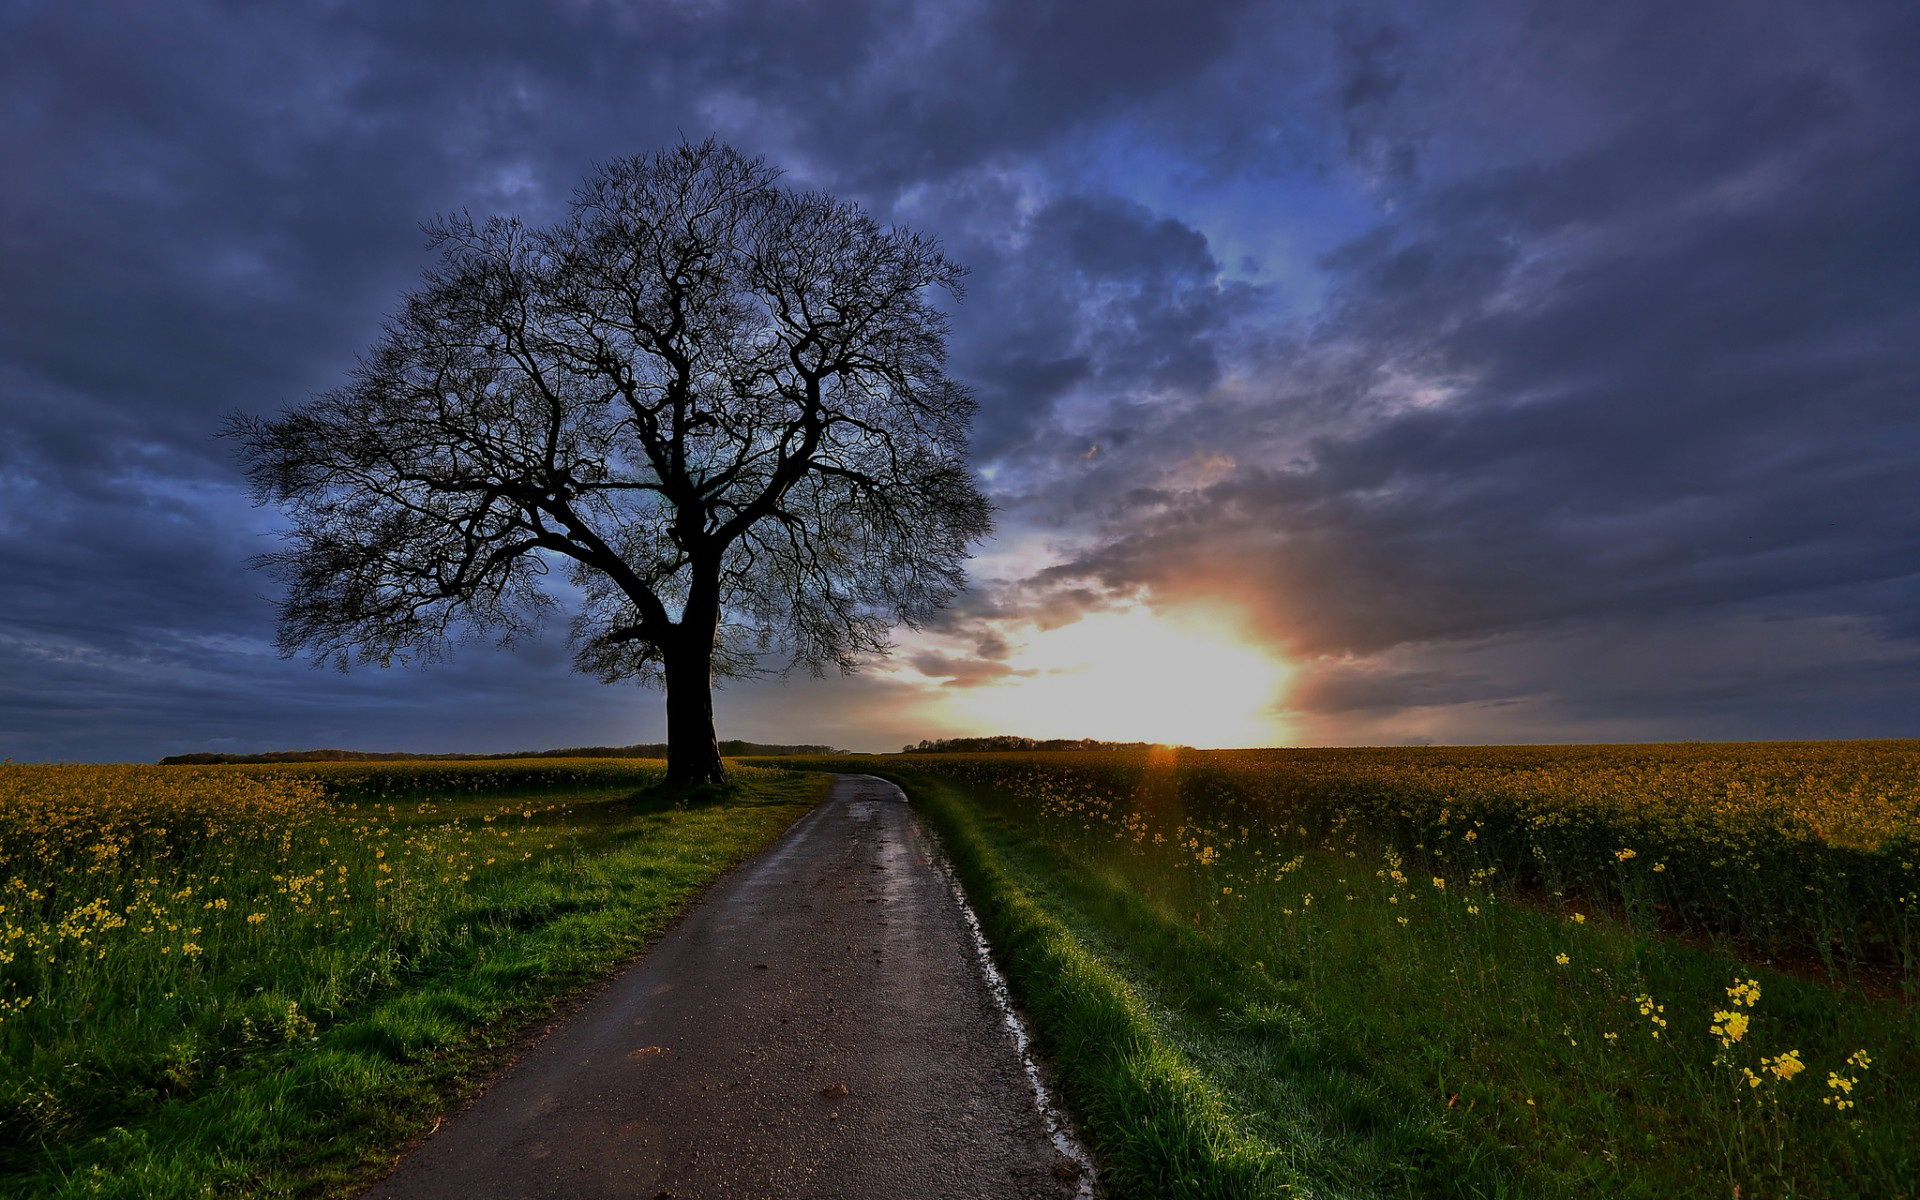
x=715, y=407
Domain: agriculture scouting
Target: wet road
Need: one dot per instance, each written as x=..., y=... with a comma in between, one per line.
x=817, y=1027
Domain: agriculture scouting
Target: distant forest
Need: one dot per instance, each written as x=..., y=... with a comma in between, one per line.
x=962, y=745
x=730, y=749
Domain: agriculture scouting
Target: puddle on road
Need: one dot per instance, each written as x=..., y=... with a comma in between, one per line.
x=1059, y=1129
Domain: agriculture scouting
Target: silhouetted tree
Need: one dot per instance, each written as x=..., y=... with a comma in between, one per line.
x=718, y=404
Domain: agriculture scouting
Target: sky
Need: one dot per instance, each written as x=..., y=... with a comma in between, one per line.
x=1350, y=373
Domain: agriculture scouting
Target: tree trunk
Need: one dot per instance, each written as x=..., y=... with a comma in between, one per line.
x=693, y=753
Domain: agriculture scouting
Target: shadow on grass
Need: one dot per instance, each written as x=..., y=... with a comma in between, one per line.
x=661, y=797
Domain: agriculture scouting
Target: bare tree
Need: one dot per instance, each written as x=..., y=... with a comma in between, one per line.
x=718, y=404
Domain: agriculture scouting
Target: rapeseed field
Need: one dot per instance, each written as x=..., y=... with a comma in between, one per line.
x=169, y=933
x=1796, y=847
x=1648, y=971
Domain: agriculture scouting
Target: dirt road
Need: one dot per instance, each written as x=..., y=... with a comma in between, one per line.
x=817, y=1027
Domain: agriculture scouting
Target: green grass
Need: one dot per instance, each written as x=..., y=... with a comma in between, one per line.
x=1190, y=1074
x=1220, y=1034
x=404, y=943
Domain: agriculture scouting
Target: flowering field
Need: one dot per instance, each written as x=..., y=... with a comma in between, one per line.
x=1795, y=847
x=1640, y=970
x=164, y=928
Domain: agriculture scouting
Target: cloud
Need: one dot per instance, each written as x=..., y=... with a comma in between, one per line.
x=1652, y=379
x=1088, y=304
x=1523, y=367
x=1835, y=678
x=961, y=672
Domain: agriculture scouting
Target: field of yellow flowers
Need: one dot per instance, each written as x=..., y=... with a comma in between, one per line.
x=1809, y=848
x=164, y=927
x=1678, y=970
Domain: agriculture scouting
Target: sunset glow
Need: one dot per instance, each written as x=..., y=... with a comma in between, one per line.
x=1554, y=399
x=1131, y=675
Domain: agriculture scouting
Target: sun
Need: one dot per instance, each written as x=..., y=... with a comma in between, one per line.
x=1133, y=675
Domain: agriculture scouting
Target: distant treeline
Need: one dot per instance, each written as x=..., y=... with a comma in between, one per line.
x=731, y=749
x=963, y=745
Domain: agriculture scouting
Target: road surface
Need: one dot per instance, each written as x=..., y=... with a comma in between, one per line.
x=818, y=1026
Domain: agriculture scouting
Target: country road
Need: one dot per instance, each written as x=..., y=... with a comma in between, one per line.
x=817, y=1027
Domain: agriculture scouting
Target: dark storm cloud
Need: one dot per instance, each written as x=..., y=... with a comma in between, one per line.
x=945, y=87
x=1458, y=343
x=211, y=206
x=1666, y=378
x=1370, y=75
x=1098, y=298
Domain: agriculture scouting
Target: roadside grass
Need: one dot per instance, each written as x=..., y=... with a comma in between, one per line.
x=267, y=988
x=1190, y=1075
x=1256, y=1015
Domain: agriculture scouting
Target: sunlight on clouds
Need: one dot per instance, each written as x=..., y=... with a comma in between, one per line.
x=1130, y=675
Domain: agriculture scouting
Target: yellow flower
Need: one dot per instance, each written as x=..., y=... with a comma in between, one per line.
x=1562, y=959
x=1785, y=1066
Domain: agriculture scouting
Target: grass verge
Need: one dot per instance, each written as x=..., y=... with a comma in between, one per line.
x=296, y=1054
x=1137, y=1071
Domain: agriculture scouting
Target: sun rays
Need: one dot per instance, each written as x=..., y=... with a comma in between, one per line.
x=1131, y=675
